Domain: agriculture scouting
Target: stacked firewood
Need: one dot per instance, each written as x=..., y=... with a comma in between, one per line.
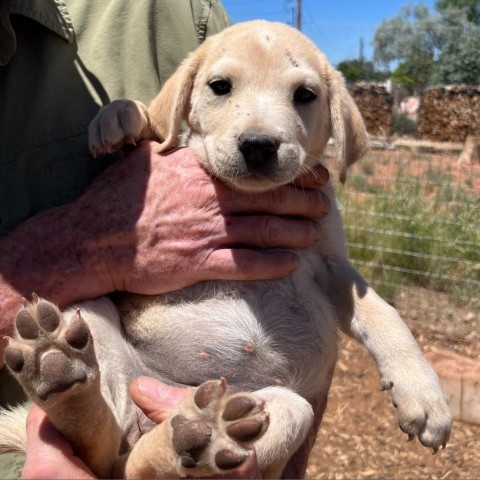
x=375, y=104
x=449, y=113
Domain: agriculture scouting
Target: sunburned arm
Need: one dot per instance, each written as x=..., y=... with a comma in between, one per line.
x=46, y=255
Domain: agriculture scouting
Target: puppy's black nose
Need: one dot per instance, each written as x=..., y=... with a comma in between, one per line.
x=257, y=149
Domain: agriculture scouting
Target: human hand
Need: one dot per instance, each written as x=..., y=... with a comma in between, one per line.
x=155, y=223
x=49, y=455
x=161, y=223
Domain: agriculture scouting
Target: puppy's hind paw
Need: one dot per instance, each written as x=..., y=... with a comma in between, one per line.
x=220, y=427
x=210, y=432
x=49, y=355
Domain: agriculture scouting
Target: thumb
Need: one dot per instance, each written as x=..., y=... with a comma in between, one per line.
x=155, y=398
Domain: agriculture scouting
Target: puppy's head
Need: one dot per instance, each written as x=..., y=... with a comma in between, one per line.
x=261, y=102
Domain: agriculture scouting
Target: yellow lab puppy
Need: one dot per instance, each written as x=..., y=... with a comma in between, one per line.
x=260, y=102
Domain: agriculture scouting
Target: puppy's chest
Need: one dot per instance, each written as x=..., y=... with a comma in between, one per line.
x=253, y=333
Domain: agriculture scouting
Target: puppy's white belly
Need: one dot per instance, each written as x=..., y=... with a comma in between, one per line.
x=255, y=334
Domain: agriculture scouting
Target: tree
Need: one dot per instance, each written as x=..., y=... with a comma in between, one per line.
x=412, y=39
x=438, y=47
x=412, y=75
x=359, y=70
x=471, y=7
x=459, y=60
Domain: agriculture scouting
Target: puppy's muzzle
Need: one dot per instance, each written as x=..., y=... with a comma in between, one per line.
x=259, y=152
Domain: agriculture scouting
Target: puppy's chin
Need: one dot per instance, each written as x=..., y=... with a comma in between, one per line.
x=229, y=166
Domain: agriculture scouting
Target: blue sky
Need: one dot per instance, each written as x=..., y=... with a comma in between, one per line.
x=336, y=26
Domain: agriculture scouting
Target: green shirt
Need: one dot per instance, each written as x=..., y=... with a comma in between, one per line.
x=59, y=63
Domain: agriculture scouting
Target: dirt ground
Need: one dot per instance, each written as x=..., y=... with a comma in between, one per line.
x=360, y=438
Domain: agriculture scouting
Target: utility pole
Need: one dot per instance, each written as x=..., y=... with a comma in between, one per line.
x=361, y=56
x=361, y=59
x=299, y=15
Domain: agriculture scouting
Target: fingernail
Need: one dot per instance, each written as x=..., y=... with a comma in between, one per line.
x=151, y=388
x=323, y=173
x=294, y=261
x=326, y=205
x=317, y=231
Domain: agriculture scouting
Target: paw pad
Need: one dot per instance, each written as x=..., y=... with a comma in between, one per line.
x=14, y=358
x=48, y=354
x=58, y=373
x=228, y=459
x=246, y=430
x=190, y=438
x=238, y=407
x=77, y=334
x=47, y=316
x=209, y=391
x=26, y=326
x=213, y=428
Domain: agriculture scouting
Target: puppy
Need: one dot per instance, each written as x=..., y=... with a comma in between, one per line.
x=261, y=103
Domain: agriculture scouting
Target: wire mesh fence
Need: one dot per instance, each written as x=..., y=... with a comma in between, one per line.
x=413, y=229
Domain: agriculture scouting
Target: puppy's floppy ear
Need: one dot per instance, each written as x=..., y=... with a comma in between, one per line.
x=348, y=127
x=171, y=106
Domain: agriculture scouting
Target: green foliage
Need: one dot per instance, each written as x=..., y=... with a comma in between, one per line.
x=471, y=7
x=358, y=70
x=412, y=75
x=403, y=125
x=411, y=38
x=414, y=233
x=432, y=47
x=459, y=60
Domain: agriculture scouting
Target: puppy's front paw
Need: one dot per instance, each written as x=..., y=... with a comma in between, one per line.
x=120, y=123
x=421, y=406
x=49, y=355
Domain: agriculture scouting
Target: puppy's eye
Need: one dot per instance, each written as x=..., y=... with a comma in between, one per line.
x=220, y=87
x=303, y=95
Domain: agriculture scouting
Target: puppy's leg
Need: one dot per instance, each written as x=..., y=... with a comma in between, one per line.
x=415, y=388
x=291, y=418
x=212, y=432
x=120, y=123
x=54, y=360
x=298, y=462
x=208, y=433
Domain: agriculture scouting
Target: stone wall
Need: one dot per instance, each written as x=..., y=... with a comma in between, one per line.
x=449, y=113
x=375, y=104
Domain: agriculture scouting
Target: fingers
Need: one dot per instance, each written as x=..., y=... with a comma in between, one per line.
x=301, y=199
x=244, y=264
x=155, y=398
x=284, y=201
x=315, y=178
x=48, y=454
x=268, y=231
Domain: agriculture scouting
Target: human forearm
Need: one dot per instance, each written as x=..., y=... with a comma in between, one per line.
x=46, y=255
